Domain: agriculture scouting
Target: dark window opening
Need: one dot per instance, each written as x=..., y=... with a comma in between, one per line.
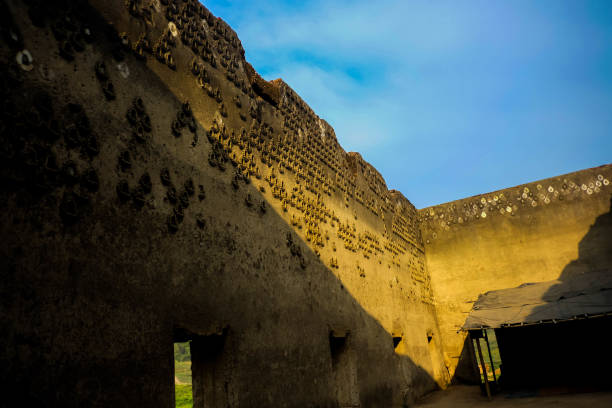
x=396, y=342
x=337, y=345
x=344, y=370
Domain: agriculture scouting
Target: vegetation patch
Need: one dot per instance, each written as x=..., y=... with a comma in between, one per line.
x=183, y=396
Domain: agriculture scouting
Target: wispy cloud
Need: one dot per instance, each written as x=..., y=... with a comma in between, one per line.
x=447, y=99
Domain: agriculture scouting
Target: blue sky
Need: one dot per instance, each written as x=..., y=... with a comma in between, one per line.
x=446, y=98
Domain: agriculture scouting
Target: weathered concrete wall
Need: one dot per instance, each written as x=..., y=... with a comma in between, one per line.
x=536, y=232
x=130, y=215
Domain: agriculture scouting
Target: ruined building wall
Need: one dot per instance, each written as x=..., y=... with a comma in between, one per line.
x=157, y=188
x=541, y=231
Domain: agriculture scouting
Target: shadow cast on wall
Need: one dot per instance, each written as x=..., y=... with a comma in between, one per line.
x=95, y=280
x=466, y=371
x=574, y=353
x=551, y=353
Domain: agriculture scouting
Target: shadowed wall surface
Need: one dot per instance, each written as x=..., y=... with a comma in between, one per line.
x=156, y=183
x=158, y=188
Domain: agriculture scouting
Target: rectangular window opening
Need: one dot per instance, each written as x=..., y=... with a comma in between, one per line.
x=396, y=341
x=337, y=345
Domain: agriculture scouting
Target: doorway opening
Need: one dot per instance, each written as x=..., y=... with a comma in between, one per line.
x=200, y=374
x=183, y=394
x=344, y=369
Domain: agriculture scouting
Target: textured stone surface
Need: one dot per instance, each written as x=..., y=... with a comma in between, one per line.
x=541, y=231
x=141, y=214
x=157, y=189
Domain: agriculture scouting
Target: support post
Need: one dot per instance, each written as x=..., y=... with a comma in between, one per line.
x=490, y=355
x=484, y=369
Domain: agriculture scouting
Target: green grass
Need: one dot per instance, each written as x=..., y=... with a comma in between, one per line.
x=487, y=358
x=183, y=396
x=182, y=371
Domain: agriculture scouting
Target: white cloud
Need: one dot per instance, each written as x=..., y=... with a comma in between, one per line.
x=418, y=86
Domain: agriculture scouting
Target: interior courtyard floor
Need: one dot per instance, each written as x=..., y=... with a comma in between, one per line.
x=462, y=396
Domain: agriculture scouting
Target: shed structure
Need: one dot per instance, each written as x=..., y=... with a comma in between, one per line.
x=550, y=334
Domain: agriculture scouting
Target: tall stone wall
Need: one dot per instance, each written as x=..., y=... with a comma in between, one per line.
x=157, y=189
x=550, y=229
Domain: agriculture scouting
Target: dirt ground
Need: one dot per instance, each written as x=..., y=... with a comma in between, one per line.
x=470, y=397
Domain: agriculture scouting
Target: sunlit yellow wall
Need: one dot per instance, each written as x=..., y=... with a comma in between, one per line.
x=535, y=232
